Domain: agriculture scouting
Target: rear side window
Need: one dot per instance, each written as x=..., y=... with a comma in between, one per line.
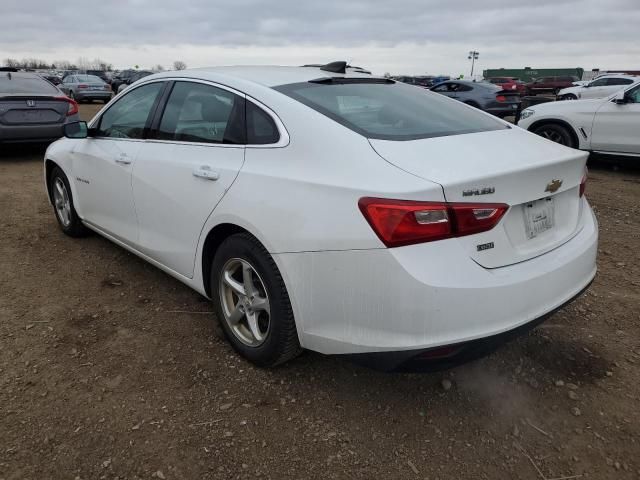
x=619, y=81
x=261, y=129
x=390, y=111
x=19, y=83
x=202, y=113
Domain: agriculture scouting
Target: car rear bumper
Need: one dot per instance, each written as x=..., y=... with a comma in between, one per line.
x=30, y=133
x=95, y=95
x=423, y=296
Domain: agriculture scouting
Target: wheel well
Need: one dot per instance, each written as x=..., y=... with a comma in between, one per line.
x=215, y=237
x=49, y=165
x=562, y=123
x=472, y=103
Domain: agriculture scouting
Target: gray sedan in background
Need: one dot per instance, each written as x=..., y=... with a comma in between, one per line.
x=483, y=95
x=32, y=109
x=82, y=87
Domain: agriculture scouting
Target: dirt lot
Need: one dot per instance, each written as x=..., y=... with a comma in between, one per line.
x=100, y=378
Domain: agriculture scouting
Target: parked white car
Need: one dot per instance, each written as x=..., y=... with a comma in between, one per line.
x=601, y=87
x=609, y=125
x=326, y=209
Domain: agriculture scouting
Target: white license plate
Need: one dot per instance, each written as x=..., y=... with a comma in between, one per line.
x=538, y=217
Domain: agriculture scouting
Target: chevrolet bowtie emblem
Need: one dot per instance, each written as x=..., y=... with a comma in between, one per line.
x=553, y=185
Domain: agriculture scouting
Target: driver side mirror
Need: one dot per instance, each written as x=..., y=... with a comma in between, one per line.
x=620, y=98
x=76, y=130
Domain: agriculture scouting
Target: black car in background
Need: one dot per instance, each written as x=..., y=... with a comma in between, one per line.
x=101, y=74
x=483, y=95
x=127, y=77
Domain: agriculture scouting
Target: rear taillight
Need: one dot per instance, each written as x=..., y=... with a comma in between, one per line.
x=404, y=222
x=583, y=183
x=72, y=106
x=82, y=85
x=501, y=98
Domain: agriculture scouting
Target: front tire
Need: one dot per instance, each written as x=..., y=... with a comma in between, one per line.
x=251, y=302
x=556, y=133
x=63, y=206
x=568, y=96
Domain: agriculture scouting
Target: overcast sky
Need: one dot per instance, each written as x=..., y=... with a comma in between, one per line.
x=404, y=36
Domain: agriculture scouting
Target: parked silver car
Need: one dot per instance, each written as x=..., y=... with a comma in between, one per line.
x=32, y=109
x=83, y=87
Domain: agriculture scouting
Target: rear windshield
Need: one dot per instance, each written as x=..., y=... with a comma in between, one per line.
x=89, y=78
x=390, y=111
x=17, y=83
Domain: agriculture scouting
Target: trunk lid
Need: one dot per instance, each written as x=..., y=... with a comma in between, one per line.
x=32, y=109
x=511, y=166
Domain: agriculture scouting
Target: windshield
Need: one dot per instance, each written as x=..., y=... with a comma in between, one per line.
x=25, y=84
x=390, y=111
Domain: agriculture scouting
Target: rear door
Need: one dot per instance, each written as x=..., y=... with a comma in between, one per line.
x=183, y=172
x=596, y=89
x=616, y=127
x=102, y=163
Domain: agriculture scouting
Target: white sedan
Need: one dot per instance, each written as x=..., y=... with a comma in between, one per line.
x=601, y=87
x=326, y=209
x=609, y=125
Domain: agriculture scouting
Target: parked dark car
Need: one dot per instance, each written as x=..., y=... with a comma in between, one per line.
x=32, y=109
x=126, y=78
x=483, y=95
x=52, y=79
x=549, y=84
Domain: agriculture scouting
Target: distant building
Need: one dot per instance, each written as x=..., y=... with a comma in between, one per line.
x=528, y=74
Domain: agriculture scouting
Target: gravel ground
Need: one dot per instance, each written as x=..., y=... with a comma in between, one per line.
x=103, y=375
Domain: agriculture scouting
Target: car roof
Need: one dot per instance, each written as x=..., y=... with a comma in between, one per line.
x=269, y=76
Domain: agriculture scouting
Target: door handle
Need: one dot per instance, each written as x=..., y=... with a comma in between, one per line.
x=205, y=171
x=123, y=159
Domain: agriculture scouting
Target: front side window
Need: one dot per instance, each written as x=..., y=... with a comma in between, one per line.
x=443, y=87
x=633, y=95
x=601, y=82
x=389, y=111
x=202, y=113
x=128, y=117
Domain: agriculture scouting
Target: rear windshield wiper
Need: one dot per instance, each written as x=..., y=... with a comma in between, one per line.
x=347, y=80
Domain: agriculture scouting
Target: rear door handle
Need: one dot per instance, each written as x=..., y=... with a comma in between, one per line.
x=123, y=159
x=205, y=171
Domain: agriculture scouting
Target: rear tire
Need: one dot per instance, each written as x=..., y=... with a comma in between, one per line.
x=63, y=206
x=251, y=302
x=556, y=133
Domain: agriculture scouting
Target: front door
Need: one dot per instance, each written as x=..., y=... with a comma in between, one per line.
x=102, y=163
x=181, y=175
x=616, y=127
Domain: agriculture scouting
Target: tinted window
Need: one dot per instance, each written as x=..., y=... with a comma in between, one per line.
x=128, y=117
x=633, y=95
x=443, y=87
x=390, y=111
x=88, y=78
x=619, y=81
x=25, y=83
x=261, y=129
x=201, y=113
x=601, y=82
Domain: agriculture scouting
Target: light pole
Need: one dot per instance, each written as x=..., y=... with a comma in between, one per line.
x=473, y=56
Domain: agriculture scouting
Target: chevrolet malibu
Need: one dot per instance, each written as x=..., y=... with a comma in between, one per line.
x=326, y=209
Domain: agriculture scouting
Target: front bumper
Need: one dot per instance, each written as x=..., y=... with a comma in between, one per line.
x=428, y=295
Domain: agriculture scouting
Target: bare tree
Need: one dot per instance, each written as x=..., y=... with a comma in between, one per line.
x=179, y=65
x=12, y=62
x=158, y=68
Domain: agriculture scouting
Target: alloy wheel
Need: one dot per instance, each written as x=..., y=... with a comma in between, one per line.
x=552, y=135
x=62, y=202
x=245, y=303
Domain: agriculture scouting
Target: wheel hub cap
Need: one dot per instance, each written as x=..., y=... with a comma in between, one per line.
x=245, y=303
x=62, y=202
